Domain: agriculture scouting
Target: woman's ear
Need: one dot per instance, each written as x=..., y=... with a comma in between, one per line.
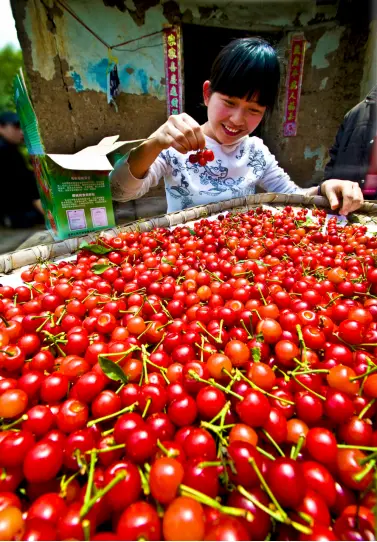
x=206, y=91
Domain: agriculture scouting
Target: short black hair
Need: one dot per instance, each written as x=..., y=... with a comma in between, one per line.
x=247, y=67
x=8, y=117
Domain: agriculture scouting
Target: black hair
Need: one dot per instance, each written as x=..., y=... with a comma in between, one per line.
x=8, y=117
x=247, y=67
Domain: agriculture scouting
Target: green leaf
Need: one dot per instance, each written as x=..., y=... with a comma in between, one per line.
x=353, y=219
x=165, y=260
x=193, y=232
x=100, y=268
x=255, y=352
x=97, y=249
x=308, y=222
x=112, y=370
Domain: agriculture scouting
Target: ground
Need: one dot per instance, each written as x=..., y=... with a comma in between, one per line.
x=10, y=239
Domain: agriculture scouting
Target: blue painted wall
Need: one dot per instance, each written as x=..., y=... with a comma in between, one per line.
x=140, y=64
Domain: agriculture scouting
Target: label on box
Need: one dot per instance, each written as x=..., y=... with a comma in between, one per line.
x=99, y=217
x=76, y=219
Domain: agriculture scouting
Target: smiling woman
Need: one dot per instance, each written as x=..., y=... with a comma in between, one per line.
x=243, y=85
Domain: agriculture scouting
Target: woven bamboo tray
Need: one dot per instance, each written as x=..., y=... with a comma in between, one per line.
x=13, y=261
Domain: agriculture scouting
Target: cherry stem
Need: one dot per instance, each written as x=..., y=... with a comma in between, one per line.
x=65, y=483
x=144, y=357
x=205, y=464
x=255, y=501
x=270, y=438
x=144, y=482
x=281, y=399
x=146, y=408
x=89, y=487
x=215, y=277
x=359, y=377
x=162, y=369
x=306, y=518
x=43, y=324
x=164, y=325
x=262, y=296
x=301, y=528
x=307, y=388
x=23, y=418
x=296, y=449
x=358, y=477
x=108, y=449
x=145, y=330
x=257, y=313
x=9, y=354
x=309, y=372
x=353, y=447
x=86, y=529
x=211, y=382
x=122, y=354
x=108, y=432
x=101, y=493
x=220, y=329
x=4, y=320
x=208, y=333
x=159, y=343
x=301, y=340
x=216, y=429
x=113, y=415
x=168, y=453
x=267, y=489
x=249, y=336
x=187, y=491
x=366, y=459
x=366, y=408
x=119, y=389
x=266, y=454
x=219, y=414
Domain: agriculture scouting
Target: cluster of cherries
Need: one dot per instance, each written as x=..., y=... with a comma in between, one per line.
x=210, y=384
x=201, y=157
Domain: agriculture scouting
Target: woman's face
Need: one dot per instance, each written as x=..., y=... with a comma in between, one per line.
x=230, y=118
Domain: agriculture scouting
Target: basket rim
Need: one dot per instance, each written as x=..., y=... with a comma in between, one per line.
x=58, y=249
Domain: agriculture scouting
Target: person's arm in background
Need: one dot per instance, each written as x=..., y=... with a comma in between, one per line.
x=343, y=195
x=333, y=151
x=38, y=205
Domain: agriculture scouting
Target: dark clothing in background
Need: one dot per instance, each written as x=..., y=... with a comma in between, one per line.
x=351, y=153
x=18, y=188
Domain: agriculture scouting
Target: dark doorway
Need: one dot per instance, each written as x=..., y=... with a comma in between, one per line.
x=201, y=45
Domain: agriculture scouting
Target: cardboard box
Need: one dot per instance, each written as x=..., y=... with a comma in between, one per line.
x=74, y=188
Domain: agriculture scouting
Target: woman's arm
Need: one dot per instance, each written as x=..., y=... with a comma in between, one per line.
x=125, y=186
x=180, y=132
x=143, y=168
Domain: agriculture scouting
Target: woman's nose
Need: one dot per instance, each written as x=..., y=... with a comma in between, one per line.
x=237, y=117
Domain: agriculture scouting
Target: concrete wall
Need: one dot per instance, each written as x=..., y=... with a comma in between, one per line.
x=66, y=67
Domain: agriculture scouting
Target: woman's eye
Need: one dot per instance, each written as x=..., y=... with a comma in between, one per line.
x=228, y=102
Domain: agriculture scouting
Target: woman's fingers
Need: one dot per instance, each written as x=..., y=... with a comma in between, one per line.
x=190, y=130
x=352, y=198
x=344, y=194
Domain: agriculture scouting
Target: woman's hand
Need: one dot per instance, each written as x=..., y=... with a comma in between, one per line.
x=181, y=132
x=344, y=194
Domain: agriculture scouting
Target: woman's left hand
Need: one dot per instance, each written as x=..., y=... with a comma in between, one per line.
x=344, y=194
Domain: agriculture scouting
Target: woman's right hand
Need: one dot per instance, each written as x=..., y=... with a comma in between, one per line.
x=181, y=132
